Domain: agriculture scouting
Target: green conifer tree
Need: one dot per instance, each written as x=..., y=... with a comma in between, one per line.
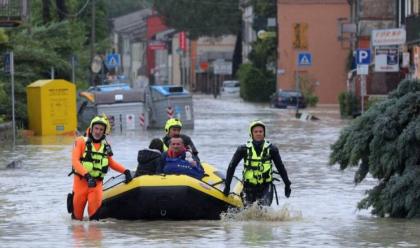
x=385, y=143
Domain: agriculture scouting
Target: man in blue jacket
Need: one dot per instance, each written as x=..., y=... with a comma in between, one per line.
x=178, y=160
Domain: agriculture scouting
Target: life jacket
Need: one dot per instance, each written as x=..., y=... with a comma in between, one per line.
x=165, y=147
x=96, y=161
x=180, y=166
x=258, y=169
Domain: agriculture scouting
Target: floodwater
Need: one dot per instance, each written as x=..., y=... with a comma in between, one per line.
x=321, y=211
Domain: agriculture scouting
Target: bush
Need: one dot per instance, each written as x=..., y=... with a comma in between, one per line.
x=307, y=87
x=257, y=85
x=348, y=104
x=311, y=100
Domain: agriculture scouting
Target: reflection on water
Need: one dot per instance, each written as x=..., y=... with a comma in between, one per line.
x=321, y=211
x=86, y=234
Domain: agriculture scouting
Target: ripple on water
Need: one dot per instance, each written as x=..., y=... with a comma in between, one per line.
x=262, y=213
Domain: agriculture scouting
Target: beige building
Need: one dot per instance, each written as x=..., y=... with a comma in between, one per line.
x=311, y=28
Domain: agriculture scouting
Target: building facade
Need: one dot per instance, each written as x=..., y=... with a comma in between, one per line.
x=311, y=52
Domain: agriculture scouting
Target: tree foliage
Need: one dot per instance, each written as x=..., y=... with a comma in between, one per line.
x=256, y=84
x=58, y=30
x=124, y=7
x=385, y=143
x=201, y=18
x=35, y=54
x=258, y=78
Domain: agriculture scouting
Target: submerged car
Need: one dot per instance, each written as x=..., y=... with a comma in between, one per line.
x=230, y=88
x=287, y=98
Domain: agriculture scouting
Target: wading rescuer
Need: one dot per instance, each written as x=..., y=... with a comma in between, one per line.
x=173, y=129
x=91, y=158
x=258, y=155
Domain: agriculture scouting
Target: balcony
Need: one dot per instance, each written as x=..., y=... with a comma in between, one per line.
x=13, y=12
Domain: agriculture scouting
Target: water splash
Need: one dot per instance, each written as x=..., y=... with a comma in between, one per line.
x=262, y=213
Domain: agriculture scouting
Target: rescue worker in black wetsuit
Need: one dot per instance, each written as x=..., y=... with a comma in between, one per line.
x=258, y=155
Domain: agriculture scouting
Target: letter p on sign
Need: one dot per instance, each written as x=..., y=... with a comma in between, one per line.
x=363, y=56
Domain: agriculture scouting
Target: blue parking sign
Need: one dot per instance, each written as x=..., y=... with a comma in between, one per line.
x=363, y=56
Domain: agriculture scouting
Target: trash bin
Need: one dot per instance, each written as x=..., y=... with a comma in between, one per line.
x=124, y=116
x=52, y=107
x=124, y=108
x=169, y=101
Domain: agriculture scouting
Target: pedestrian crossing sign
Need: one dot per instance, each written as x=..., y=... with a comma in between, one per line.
x=304, y=59
x=112, y=60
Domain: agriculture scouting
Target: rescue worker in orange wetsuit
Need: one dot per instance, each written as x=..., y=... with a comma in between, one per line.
x=91, y=157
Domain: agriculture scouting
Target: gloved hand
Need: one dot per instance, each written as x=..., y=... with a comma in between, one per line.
x=287, y=190
x=90, y=180
x=128, y=176
x=226, y=191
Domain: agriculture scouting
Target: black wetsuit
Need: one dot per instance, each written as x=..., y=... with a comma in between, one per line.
x=262, y=192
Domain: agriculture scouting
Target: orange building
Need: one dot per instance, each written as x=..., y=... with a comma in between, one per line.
x=311, y=28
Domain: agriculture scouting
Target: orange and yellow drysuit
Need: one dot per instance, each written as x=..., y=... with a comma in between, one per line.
x=81, y=166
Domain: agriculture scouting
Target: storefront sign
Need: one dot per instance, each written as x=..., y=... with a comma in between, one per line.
x=385, y=37
x=386, y=59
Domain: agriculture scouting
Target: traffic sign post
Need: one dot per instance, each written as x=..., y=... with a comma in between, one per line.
x=303, y=59
x=363, y=59
x=12, y=75
x=10, y=68
x=6, y=62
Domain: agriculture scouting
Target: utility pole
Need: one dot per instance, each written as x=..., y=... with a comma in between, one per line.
x=12, y=78
x=278, y=44
x=73, y=74
x=92, y=39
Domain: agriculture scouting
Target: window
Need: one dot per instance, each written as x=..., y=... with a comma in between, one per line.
x=416, y=6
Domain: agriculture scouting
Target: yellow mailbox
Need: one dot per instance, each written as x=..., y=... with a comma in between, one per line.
x=52, y=107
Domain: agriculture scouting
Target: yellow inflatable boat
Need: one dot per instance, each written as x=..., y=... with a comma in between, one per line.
x=177, y=197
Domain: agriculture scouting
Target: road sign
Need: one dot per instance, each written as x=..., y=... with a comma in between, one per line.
x=96, y=65
x=113, y=60
x=363, y=56
x=362, y=69
x=222, y=67
x=304, y=59
x=7, y=63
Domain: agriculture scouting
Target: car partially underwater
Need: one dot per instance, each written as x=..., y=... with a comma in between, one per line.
x=287, y=98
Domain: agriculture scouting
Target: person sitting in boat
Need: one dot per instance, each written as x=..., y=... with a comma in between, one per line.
x=91, y=158
x=179, y=160
x=173, y=128
x=150, y=159
x=258, y=155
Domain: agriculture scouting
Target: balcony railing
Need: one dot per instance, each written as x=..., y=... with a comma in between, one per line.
x=13, y=12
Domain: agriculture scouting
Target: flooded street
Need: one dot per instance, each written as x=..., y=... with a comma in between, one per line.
x=321, y=211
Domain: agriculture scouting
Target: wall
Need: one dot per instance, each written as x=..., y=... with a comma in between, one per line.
x=329, y=55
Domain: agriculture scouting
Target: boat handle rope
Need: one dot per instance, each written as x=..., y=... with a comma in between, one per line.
x=114, y=177
x=217, y=183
